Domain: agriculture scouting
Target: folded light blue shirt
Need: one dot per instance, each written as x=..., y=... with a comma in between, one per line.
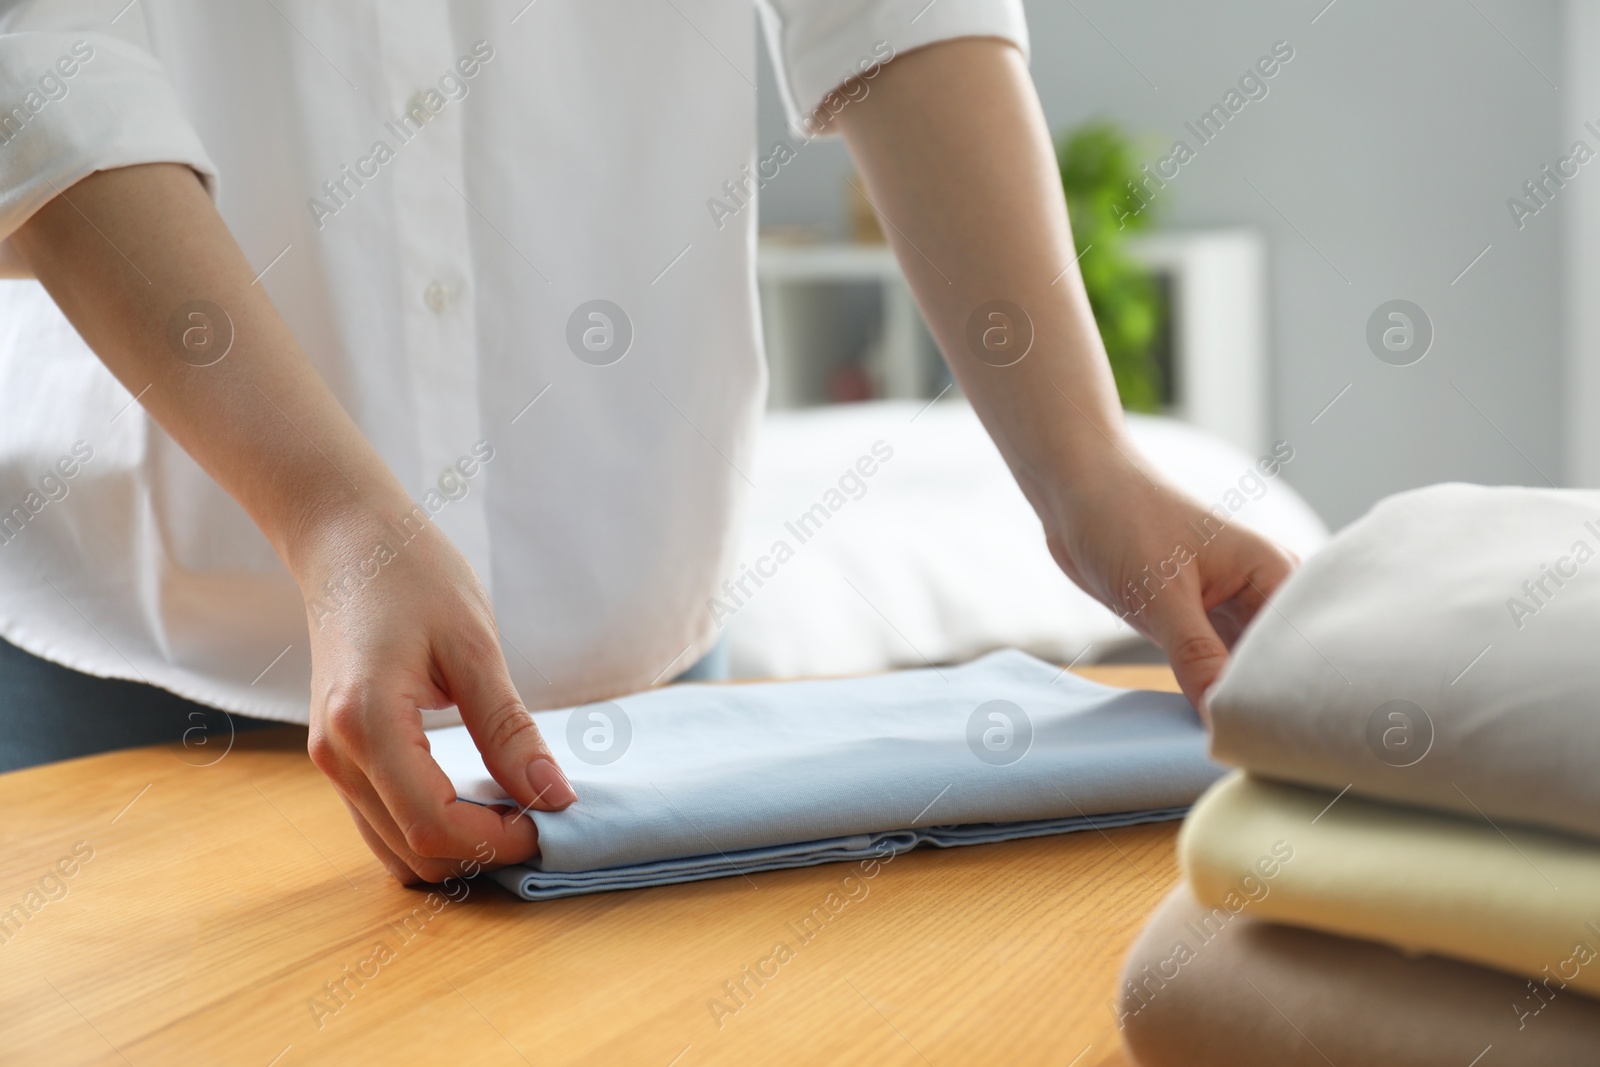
x=705, y=781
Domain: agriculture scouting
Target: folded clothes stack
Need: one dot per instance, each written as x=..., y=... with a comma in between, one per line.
x=1406, y=870
x=706, y=781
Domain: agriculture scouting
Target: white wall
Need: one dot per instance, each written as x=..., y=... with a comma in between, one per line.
x=1581, y=90
x=1390, y=144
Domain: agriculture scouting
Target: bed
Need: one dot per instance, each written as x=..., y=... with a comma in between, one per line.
x=935, y=556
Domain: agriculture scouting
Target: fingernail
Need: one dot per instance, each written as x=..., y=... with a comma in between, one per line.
x=550, y=785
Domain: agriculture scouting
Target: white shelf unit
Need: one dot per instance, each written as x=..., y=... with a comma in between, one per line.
x=1217, y=280
x=1218, y=285
x=799, y=282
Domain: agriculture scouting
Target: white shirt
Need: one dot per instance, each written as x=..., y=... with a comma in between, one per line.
x=435, y=194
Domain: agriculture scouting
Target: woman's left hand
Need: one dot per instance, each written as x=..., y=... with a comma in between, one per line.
x=1175, y=572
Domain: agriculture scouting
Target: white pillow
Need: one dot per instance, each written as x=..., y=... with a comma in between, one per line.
x=936, y=556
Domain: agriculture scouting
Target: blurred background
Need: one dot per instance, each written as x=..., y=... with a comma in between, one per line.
x=1251, y=300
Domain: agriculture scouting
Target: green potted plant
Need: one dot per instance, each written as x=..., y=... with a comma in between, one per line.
x=1100, y=175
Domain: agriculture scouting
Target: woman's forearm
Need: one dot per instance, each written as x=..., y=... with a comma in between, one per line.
x=141, y=263
x=143, y=266
x=958, y=160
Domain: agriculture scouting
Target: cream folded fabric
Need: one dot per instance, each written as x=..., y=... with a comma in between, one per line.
x=1524, y=901
x=1439, y=651
x=1199, y=990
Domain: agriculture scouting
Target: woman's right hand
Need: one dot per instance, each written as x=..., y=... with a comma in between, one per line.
x=410, y=632
x=406, y=625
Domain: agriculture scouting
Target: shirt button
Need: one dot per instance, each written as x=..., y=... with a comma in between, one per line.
x=439, y=297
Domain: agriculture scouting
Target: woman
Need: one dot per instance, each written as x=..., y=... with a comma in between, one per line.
x=343, y=308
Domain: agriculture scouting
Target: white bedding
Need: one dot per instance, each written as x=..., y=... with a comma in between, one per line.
x=936, y=556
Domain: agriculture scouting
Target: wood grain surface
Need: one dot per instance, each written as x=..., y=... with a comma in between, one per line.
x=229, y=914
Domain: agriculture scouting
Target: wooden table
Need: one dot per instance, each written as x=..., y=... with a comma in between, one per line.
x=221, y=904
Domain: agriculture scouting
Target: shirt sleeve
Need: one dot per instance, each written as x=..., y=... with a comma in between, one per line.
x=819, y=45
x=74, y=101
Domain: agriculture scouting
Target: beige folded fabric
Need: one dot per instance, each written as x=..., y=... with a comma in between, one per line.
x=1440, y=651
x=1257, y=994
x=1524, y=901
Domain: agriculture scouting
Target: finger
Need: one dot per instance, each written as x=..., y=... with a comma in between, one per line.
x=410, y=869
x=422, y=801
x=389, y=774
x=366, y=810
x=1179, y=624
x=1231, y=617
x=382, y=835
x=399, y=869
x=513, y=750
x=372, y=821
x=1265, y=568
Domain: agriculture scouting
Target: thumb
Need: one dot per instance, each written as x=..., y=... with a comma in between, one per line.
x=1180, y=625
x=513, y=750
